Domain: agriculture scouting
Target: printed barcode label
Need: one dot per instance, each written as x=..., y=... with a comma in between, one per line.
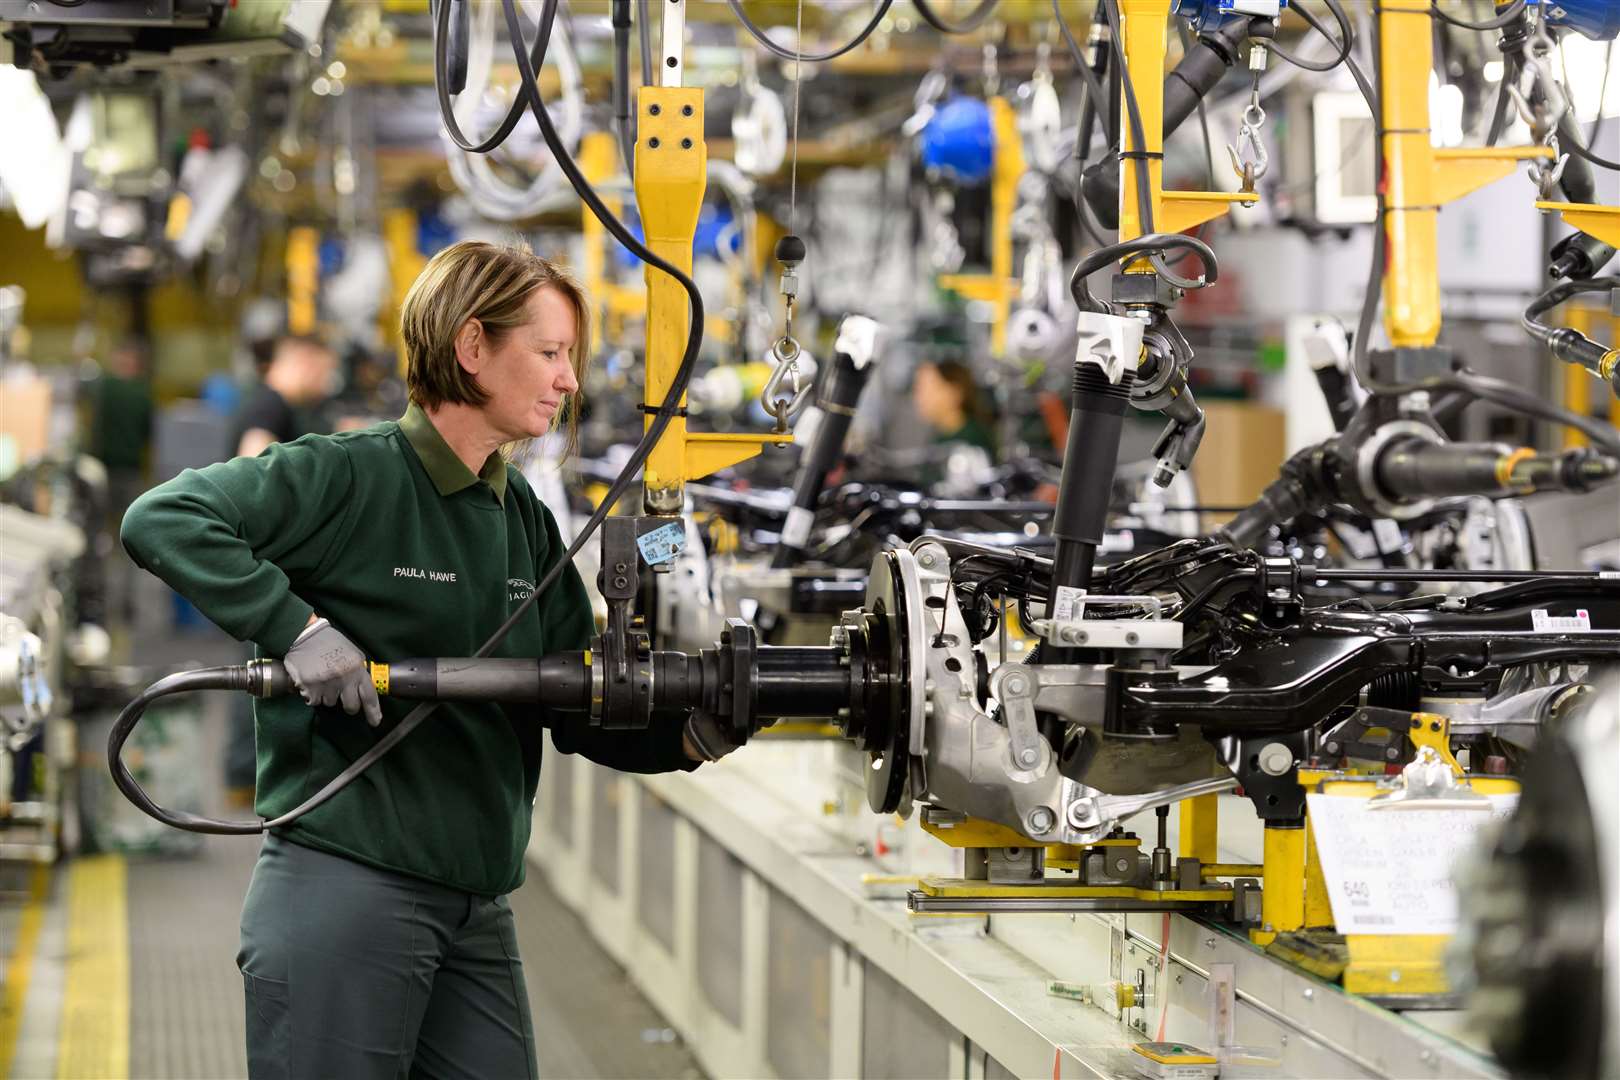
x=1543, y=623
x=663, y=543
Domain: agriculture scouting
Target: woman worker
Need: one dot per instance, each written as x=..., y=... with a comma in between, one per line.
x=376, y=936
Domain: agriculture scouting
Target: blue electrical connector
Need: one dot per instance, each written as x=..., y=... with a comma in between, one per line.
x=1596, y=19
x=1206, y=15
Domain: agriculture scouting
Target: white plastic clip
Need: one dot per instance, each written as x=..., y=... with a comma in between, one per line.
x=1110, y=341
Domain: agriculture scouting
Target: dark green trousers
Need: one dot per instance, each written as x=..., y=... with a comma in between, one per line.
x=355, y=972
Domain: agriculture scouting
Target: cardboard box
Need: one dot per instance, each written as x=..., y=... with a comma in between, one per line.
x=1244, y=445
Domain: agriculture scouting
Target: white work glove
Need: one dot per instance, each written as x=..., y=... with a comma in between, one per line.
x=329, y=669
x=708, y=736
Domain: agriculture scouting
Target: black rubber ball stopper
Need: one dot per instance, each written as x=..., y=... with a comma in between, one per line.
x=790, y=249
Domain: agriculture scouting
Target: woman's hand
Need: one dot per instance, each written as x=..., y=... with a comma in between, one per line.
x=705, y=738
x=329, y=669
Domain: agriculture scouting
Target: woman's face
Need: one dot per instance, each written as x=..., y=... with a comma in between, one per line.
x=935, y=399
x=528, y=374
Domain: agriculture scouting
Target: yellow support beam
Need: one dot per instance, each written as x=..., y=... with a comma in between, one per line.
x=998, y=287
x=598, y=161
x=1146, y=30
x=1419, y=178
x=1282, y=901
x=671, y=174
x=1318, y=906
x=1465, y=169
x=978, y=833
x=1200, y=821
x=405, y=262
x=1183, y=210
x=303, y=261
x=1145, y=26
x=1009, y=169
x=1601, y=222
x=1411, y=219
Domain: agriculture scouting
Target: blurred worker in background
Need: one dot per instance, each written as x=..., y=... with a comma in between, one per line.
x=951, y=403
x=121, y=423
x=121, y=438
x=297, y=377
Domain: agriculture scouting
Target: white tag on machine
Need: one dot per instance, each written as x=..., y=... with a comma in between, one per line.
x=1391, y=873
x=1544, y=623
x=1069, y=604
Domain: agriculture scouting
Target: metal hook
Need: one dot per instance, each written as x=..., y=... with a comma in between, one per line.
x=1253, y=161
x=785, y=351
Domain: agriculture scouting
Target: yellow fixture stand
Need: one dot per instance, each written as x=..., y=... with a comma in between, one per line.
x=671, y=173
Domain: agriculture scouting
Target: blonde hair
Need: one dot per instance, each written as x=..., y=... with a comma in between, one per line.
x=492, y=283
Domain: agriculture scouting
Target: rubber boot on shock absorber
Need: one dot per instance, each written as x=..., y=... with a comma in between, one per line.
x=1095, y=424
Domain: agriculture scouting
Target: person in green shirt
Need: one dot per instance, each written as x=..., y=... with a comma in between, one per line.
x=376, y=936
x=949, y=401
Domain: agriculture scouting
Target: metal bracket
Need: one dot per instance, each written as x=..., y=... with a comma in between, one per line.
x=1015, y=687
x=1150, y=633
x=1095, y=811
x=672, y=65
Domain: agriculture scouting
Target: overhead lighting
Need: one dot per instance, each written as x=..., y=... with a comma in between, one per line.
x=1586, y=61
x=34, y=169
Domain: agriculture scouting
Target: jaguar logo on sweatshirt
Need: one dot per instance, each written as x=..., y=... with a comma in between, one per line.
x=518, y=589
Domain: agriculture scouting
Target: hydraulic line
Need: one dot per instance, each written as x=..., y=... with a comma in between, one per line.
x=1568, y=344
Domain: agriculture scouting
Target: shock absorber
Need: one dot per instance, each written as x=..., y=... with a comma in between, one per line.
x=835, y=410
x=1096, y=420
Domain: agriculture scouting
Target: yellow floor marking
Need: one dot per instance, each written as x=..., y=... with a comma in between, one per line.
x=94, y=1039
x=20, y=965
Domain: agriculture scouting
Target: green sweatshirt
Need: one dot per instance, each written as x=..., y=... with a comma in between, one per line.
x=386, y=533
